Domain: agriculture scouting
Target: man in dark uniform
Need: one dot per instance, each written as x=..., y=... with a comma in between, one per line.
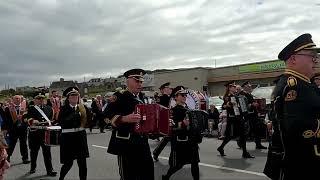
x=39, y=116
x=133, y=151
x=97, y=110
x=297, y=107
x=315, y=80
x=14, y=125
x=165, y=90
x=252, y=115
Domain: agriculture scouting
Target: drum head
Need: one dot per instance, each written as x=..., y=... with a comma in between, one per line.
x=192, y=100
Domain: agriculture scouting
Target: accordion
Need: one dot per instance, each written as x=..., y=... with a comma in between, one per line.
x=154, y=119
x=198, y=124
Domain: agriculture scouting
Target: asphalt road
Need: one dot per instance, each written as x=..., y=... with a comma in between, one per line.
x=102, y=165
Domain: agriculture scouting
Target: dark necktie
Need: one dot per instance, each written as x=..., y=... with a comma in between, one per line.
x=17, y=109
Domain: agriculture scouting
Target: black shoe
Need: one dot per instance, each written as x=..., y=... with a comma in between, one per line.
x=164, y=177
x=247, y=155
x=26, y=161
x=156, y=159
x=221, y=151
x=32, y=171
x=261, y=147
x=52, y=173
x=239, y=145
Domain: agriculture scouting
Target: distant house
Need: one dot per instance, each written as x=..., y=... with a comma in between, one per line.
x=25, y=89
x=112, y=83
x=95, y=82
x=61, y=85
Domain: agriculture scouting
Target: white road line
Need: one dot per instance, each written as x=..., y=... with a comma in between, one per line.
x=103, y=147
x=209, y=165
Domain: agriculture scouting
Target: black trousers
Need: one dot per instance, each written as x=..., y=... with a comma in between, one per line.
x=194, y=171
x=21, y=134
x=164, y=141
x=133, y=168
x=255, y=128
x=242, y=133
x=100, y=121
x=36, y=140
x=82, y=164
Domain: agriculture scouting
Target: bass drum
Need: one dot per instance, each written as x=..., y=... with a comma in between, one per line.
x=192, y=100
x=203, y=101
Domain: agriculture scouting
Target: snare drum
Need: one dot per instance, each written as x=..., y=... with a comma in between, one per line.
x=52, y=136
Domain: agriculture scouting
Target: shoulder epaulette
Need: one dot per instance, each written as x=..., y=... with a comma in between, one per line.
x=292, y=81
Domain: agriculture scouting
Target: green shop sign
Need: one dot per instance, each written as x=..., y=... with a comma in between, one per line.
x=268, y=66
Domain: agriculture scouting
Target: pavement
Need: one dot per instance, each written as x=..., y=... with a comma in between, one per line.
x=102, y=165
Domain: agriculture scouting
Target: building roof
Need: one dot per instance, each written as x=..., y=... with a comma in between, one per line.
x=61, y=84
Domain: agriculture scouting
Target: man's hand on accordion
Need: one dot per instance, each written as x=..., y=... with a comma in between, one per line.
x=171, y=122
x=186, y=122
x=131, y=118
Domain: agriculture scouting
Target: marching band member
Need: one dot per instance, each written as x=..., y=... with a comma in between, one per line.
x=14, y=125
x=166, y=91
x=39, y=117
x=73, y=141
x=236, y=125
x=183, y=149
x=133, y=151
x=55, y=103
x=97, y=110
x=252, y=115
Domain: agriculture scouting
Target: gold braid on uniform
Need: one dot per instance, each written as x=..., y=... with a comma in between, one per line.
x=83, y=116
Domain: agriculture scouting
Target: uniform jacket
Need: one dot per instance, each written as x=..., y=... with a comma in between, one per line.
x=297, y=106
x=123, y=139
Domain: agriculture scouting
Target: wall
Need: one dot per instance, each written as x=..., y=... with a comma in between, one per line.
x=194, y=78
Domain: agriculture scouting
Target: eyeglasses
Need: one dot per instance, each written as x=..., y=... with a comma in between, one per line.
x=315, y=58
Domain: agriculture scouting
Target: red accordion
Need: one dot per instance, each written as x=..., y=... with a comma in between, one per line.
x=155, y=119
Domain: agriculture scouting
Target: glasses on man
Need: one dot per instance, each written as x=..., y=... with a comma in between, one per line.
x=315, y=58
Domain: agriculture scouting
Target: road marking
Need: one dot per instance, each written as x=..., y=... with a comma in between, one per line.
x=103, y=147
x=207, y=165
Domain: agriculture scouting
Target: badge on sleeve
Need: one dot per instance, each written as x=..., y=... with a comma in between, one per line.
x=291, y=95
x=292, y=81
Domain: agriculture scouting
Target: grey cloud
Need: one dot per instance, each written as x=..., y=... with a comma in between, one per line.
x=41, y=42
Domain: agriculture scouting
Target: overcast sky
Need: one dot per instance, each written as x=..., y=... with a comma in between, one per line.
x=43, y=40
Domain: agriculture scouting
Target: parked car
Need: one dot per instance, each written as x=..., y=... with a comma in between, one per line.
x=217, y=101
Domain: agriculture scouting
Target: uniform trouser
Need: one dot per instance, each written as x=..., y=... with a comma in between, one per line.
x=254, y=129
x=36, y=140
x=164, y=141
x=101, y=124
x=21, y=134
x=194, y=170
x=133, y=168
x=82, y=164
x=242, y=138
